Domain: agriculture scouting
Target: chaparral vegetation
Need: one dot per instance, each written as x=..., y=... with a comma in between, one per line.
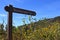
x=46, y=29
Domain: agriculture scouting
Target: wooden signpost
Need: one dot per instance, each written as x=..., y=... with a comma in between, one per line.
x=10, y=9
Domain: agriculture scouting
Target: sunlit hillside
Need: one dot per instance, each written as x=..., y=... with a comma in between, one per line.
x=46, y=29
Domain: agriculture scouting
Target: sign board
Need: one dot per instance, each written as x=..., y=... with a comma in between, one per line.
x=10, y=9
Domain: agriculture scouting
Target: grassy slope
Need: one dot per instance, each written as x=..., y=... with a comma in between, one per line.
x=47, y=29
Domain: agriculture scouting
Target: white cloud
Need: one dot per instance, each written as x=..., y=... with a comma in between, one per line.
x=18, y=17
x=3, y=15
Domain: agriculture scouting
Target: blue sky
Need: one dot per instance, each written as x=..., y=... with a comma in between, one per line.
x=43, y=8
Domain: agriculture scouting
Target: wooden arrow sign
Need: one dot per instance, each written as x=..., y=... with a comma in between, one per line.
x=19, y=10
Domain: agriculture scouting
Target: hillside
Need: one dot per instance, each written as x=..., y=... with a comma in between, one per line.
x=44, y=22
x=47, y=29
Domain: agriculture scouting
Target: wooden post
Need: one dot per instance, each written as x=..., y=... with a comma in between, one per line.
x=10, y=16
x=9, y=35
